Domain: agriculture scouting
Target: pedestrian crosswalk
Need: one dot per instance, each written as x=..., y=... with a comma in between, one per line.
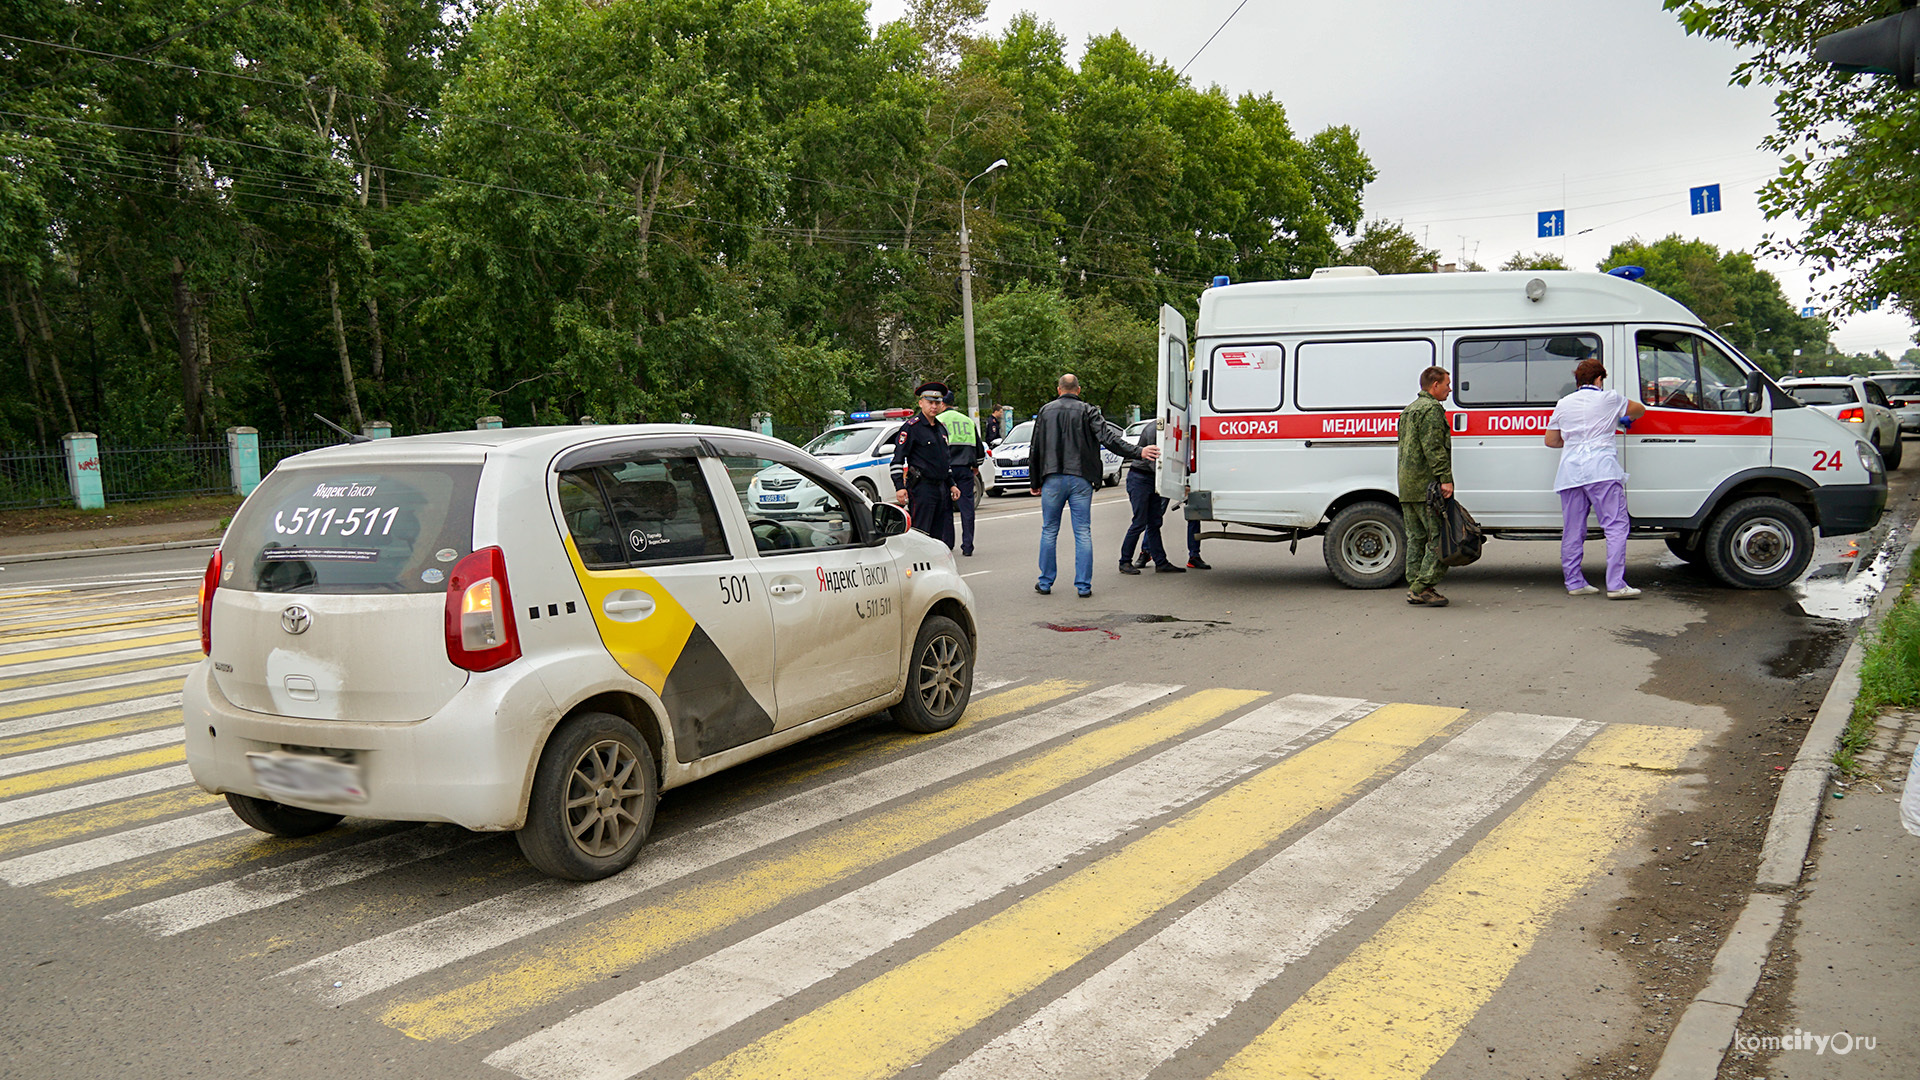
x=1079, y=880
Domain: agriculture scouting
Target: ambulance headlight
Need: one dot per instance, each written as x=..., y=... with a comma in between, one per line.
x=1870, y=458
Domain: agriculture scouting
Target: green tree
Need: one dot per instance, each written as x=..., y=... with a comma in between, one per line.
x=1389, y=248
x=1851, y=146
x=1740, y=301
x=1539, y=260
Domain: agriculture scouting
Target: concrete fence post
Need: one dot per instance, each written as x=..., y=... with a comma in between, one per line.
x=83, y=470
x=243, y=459
x=1133, y=415
x=763, y=423
x=489, y=423
x=377, y=429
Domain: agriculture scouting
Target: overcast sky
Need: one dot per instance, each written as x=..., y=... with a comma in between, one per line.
x=1479, y=116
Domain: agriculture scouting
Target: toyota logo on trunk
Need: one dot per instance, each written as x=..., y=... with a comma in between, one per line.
x=296, y=619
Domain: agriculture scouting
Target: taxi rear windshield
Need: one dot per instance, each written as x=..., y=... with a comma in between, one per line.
x=360, y=529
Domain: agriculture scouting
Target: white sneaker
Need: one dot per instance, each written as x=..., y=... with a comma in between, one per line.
x=1627, y=593
x=1584, y=590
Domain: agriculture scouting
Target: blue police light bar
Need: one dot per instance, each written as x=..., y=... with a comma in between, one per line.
x=859, y=415
x=1631, y=273
x=1221, y=279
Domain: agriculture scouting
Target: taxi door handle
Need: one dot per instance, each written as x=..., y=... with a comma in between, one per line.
x=787, y=589
x=627, y=606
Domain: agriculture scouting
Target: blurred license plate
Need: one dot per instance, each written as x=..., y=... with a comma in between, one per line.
x=1014, y=474
x=773, y=500
x=301, y=776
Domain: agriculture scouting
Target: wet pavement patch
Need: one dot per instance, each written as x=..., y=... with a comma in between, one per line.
x=1108, y=625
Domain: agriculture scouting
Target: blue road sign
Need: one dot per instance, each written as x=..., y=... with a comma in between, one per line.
x=1809, y=312
x=1705, y=200
x=1553, y=222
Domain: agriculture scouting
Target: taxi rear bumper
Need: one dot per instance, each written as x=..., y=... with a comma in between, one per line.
x=468, y=764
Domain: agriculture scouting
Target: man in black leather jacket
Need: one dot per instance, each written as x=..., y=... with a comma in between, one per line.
x=1065, y=464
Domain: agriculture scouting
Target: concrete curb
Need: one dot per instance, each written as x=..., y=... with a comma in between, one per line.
x=129, y=549
x=1705, y=1031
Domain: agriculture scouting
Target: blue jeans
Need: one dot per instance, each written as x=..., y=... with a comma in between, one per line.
x=1057, y=491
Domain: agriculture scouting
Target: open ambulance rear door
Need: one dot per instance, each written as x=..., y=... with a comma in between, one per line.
x=1173, y=413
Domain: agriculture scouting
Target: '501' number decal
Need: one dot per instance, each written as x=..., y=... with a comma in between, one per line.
x=733, y=590
x=1827, y=460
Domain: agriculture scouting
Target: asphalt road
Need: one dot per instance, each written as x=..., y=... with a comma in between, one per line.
x=1237, y=822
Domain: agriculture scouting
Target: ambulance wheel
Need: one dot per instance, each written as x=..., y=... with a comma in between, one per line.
x=1687, y=547
x=1891, y=457
x=939, y=680
x=866, y=488
x=593, y=799
x=1759, y=543
x=279, y=819
x=1366, y=546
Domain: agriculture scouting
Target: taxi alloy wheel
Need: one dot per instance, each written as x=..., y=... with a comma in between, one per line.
x=940, y=679
x=593, y=799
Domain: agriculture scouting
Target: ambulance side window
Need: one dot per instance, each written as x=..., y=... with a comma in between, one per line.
x=1245, y=378
x=1359, y=374
x=1512, y=371
x=1681, y=371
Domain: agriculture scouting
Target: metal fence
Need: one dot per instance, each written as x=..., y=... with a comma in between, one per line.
x=131, y=473
x=273, y=451
x=33, y=476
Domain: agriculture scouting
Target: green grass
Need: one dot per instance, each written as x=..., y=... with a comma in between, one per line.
x=1889, y=673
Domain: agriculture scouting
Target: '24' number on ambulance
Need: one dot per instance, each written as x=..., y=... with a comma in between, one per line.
x=1824, y=460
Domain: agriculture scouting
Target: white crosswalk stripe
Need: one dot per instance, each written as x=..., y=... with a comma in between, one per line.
x=25, y=696
x=118, y=848
x=89, y=751
x=1165, y=993
x=650, y=1023
x=94, y=794
x=392, y=958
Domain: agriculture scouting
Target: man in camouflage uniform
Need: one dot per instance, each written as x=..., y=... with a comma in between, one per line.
x=1426, y=456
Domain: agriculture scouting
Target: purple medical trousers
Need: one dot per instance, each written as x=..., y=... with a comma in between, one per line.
x=1608, y=500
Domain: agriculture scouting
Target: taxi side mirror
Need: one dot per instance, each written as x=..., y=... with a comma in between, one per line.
x=1755, y=393
x=889, y=520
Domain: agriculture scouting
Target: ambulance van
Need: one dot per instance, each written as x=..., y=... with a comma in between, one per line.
x=1284, y=418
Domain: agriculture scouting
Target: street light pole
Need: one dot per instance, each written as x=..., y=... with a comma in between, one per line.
x=966, y=297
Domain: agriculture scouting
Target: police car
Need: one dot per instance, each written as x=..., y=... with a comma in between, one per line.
x=861, y=452
x=1006, y=468
x=540, y=630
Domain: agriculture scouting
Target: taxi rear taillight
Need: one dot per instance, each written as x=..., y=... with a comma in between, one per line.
x=481, y=632
x=1854, y=415
x=208, y=584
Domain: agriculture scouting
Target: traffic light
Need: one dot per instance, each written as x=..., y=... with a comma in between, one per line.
x=1886, y=46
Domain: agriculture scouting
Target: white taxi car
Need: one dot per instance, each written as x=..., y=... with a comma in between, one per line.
x=861, y=452
x=542, y=629
x=1006, y=468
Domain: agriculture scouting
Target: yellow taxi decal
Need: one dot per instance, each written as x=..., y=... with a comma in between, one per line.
x=647, y=648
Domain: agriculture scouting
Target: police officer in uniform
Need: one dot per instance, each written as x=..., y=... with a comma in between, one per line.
x=963, y=450
x=922, y=468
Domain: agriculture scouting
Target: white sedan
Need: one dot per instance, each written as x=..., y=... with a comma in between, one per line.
x=1853, y=400
x=862, y=452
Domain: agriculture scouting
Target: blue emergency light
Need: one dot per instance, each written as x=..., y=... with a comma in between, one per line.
x=1221, y=279
x=1630, y=273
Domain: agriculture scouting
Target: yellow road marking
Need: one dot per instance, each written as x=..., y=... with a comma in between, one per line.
x=16, y=659
x=75, y=624
x=134, y=609
x=48, y=779
x=62, y=703
x=67, y=675
x=1398, y=1002
x=882, y=743
x=207, y=857
x=520, y=983
x=100, y=819
x=891, y=1022
x=99, y=729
